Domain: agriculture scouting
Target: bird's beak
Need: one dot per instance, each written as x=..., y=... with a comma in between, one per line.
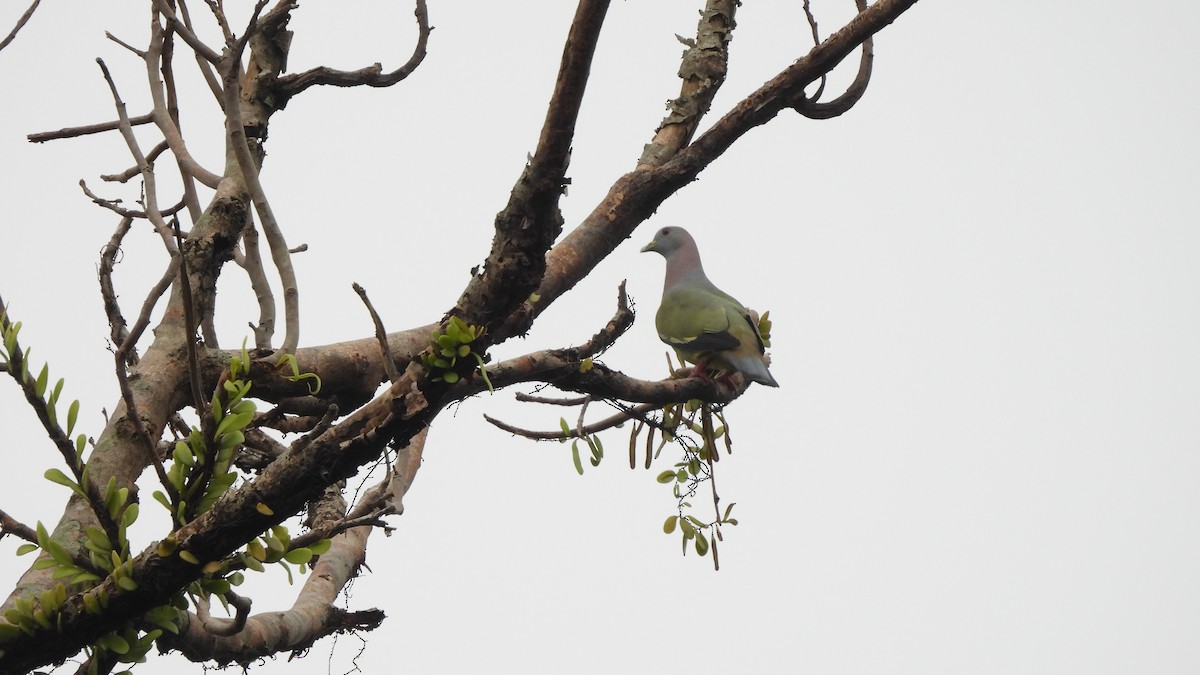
x=648, y=247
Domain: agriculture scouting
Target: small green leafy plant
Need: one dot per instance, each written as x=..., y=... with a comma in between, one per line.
x=447, y=348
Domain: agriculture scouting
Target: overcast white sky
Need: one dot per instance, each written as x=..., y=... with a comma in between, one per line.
x=985, y=282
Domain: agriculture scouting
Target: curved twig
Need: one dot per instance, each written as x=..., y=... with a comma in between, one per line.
x=371, y=76
x=275, y=239
x=264, y=330
x=811, y=108
x=108, y=260
x=114, y=205
x=224, y=627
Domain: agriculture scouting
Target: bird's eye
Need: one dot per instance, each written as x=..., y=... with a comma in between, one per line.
x=665, y=231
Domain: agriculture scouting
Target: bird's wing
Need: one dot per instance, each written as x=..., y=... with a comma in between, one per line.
x=697, y=320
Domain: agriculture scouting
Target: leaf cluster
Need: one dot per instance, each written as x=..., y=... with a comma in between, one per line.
x=446, y=348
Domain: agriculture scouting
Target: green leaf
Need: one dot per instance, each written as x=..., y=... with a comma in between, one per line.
x=298, y=556
x=233, y=421
x=98, y=537
x=114, y=643
x=39, y=387
x=58, y=552
x=24, y=549
x=575, y=457
x=130, y=515
x=321, y=546
x=162, y=499
x=72, y=416
x=667, y=476
x=701, y=544
x=114, y=500
x=669, y=524
x=231, y=440
x=56, y=476
x=183, y=454
x=80, y=442
x=55, y=393
x=65, y=571
x=688, y=529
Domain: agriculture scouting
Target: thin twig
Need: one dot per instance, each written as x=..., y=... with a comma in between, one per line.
x=816, y=40
x=121, y=357
x=528, y=398
x=114, y=205
x=10, y=525
x=75, y=132
x=161, y=111
x=152, y=211
x=189, y=318
x=167, y=68
x=205, y=66
x=389, y=364
x=108, y=260
x=20, y=24
x=252, y=263
x=135, y=170
x=185, y=31
x=636, y=412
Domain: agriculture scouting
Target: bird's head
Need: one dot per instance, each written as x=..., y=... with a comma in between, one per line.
x=667, y=240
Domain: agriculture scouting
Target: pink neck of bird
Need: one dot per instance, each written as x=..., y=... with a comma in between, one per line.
x=683, y=265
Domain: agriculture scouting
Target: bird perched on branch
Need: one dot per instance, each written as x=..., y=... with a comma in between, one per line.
x=706, y=326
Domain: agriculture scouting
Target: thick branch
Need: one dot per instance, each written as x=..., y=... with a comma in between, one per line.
x=703, y=72
x=531, y=221
x=635, y=196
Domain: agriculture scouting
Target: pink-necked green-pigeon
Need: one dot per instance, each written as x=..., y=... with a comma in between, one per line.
x=705, y=325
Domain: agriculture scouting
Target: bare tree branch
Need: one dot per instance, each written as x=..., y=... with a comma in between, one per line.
x=703, y=72
x=812, y=109
x=239, y=143
x=75, y=132
x=114, y=205
x=185, y=31
x=531, y=220
x=635, y=196
x=371, y=76
x=389, y=366
x=20, y=24
x=108, y=260
x=148, y=179
x=153, y=59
